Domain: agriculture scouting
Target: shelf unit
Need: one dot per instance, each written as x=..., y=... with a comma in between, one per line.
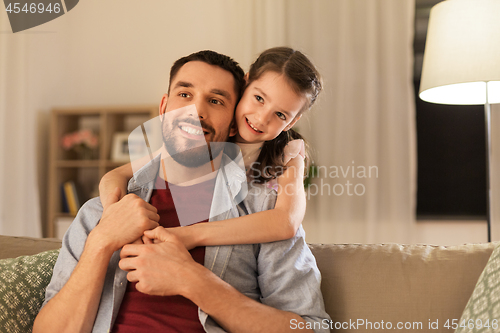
x=65, y=165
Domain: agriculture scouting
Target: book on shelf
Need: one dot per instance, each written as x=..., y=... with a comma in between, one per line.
x=64, y=201
x=71, y=197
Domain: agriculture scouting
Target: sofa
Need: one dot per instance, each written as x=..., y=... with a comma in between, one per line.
x=412, y=288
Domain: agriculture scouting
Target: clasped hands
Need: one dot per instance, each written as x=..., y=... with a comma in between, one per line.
x=153, y=257
x=160, y=266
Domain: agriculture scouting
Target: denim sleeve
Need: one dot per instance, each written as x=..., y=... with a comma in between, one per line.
x=289, y=280
x=72, y=246
x=288, y=276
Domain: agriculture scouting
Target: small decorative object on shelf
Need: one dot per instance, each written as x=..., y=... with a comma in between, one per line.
x=120, y=149
x=84, y=142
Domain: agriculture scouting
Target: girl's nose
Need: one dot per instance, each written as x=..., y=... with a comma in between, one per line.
x=262, y=117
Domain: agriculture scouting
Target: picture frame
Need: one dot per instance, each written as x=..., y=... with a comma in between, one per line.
x=120, y=150
x=128, y=147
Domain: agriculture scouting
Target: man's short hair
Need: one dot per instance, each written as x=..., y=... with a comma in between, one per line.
x=216, y=59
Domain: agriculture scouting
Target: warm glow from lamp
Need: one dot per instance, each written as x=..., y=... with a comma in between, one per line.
x=462, y=53
x=463, y=93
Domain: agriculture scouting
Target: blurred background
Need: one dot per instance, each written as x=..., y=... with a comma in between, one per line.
x=363, y=128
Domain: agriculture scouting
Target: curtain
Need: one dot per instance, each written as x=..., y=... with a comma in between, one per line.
x=363, y=128
x=19, y=199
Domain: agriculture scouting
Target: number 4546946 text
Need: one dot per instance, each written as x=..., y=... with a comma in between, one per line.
x=33, y=8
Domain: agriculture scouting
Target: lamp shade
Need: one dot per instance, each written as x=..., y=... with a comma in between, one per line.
x=462, y=53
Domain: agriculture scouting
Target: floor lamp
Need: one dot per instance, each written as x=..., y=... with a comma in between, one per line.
x=462, y=62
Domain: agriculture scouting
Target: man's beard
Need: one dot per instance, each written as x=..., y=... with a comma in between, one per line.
x=193, y=153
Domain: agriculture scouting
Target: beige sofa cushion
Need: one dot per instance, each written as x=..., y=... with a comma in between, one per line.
x=407, y=284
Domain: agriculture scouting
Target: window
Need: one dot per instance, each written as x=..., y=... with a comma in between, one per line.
x=451, y=148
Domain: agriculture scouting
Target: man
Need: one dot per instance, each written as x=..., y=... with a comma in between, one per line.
x=89, y=292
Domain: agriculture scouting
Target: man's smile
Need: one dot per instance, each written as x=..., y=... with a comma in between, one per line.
x=191, y=131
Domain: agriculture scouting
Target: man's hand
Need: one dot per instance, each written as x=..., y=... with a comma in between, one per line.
x=161, y=267
x=125, y=221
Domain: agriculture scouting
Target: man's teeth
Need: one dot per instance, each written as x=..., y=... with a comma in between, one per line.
x=191, y=130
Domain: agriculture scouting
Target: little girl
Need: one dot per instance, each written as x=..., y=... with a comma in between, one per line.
x=281, y=84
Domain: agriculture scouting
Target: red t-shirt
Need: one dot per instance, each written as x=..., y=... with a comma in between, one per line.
x=144, y=313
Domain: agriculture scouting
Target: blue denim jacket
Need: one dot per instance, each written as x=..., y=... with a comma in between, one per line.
x=280, y=274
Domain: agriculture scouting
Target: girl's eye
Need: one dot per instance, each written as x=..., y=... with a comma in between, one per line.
x=259, y=99
x=281, y=115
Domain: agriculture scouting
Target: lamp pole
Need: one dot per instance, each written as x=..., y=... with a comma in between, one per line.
x=487, y=118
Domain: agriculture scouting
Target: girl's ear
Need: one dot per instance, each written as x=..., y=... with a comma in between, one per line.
x=292, y=123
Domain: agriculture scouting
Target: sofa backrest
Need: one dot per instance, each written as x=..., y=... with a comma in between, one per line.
x=416, y=287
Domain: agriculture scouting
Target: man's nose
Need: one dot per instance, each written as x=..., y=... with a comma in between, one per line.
x=197, y=110
x=201, y=108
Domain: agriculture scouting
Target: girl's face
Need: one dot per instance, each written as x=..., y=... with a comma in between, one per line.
x=268, y=106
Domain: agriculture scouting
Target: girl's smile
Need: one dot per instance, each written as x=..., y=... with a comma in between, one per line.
x=255, y=129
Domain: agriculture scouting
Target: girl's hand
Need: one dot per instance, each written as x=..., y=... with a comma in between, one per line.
x=294, y=148
x=184, y=234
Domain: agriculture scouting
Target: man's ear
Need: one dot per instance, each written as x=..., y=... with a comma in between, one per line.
x=233, y=129
x=163, y=104
x=246, y=78
x=292, y=123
